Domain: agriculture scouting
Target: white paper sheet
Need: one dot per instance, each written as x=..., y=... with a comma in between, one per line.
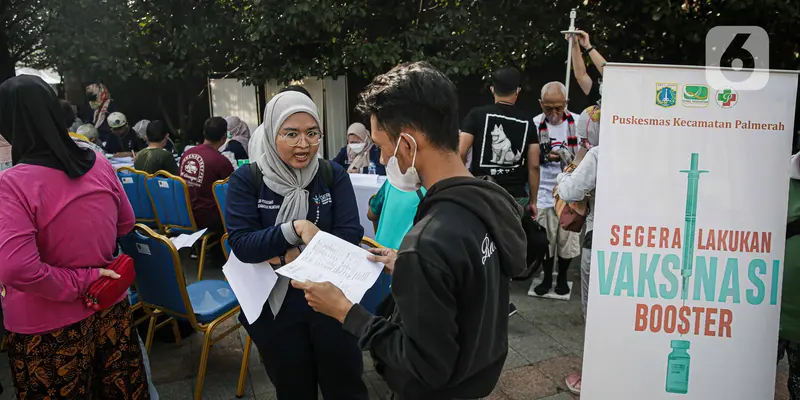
x=187, y=240
x=330, y=259
x=251, y=283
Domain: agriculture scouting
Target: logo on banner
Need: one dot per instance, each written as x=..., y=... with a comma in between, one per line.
x=695, y=96
x=666, y=94
x=737, y=56
x=727, y=98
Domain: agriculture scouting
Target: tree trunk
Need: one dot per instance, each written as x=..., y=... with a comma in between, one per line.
x=7, y=64
x=74, y=91
x=165, y=115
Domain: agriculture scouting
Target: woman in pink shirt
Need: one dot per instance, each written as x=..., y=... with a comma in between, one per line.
x=62, y=211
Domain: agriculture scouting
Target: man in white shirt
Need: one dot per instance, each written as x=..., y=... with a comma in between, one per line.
x=558, y=141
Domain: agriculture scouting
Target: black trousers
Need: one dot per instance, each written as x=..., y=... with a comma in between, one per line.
x=792, y=350
x=302, y=349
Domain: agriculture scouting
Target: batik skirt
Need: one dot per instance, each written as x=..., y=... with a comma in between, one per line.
x=96, y=358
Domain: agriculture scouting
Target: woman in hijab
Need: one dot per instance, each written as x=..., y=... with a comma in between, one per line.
x=359, y=152
x=576, y=185
x=57, y=198
x=141, y=129
x=273, y=207
x=238, y=138
x=99, y=101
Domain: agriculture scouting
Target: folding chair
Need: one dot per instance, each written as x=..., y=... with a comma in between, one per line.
x=173, y=209
x=162, y=287
x=220, y=190
x=380, y=289
x=226, y=248
x=133, y=182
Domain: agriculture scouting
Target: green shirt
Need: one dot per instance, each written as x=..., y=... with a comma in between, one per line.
x=790, y=300
x=397, y=210
x=152, y=160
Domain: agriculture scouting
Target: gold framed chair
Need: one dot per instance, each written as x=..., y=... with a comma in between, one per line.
x=133, y=183
x=162, y=287
x=248, y=343
x=173, y=209
x=220, y=190
x=369, y=242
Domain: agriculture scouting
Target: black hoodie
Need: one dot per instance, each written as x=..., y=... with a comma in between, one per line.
x=447, y=337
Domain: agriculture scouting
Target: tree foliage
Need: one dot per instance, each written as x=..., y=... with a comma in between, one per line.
x=289, y=40
x=172, y=40
x=22, y=25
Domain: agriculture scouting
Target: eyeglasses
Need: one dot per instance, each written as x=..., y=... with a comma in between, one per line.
x=292, y=138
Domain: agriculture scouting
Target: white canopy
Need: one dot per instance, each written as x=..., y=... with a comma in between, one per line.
x=48, y=75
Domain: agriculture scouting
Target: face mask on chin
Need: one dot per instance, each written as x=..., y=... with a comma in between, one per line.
x=410, y=181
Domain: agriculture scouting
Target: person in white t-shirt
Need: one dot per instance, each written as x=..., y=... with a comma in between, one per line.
x=558, y=141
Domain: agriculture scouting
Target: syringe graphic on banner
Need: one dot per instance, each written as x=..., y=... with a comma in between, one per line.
x=689, y=224
x=679, y=360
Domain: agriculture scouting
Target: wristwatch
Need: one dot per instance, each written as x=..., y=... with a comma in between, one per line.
x=283, y=260
x=587, y=51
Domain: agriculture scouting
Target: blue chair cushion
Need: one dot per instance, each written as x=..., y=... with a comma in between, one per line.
x=210, y=299
x=134, y=297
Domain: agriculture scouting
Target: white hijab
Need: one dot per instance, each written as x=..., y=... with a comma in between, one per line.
x=280, y=177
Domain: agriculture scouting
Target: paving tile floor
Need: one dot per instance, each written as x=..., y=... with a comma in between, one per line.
x=545, y=344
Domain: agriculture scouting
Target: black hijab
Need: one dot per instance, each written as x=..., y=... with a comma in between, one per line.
x=32, y=121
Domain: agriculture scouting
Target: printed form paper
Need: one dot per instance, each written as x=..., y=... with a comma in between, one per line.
x=251, y=283
x=330, y=259
x=187, y=240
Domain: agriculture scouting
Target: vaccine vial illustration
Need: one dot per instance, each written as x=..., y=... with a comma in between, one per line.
x=678, y=367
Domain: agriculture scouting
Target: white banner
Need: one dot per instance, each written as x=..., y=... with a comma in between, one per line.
x=689, y=236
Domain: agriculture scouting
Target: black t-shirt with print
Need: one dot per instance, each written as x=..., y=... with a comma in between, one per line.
x=131, y=142
x=502, y=134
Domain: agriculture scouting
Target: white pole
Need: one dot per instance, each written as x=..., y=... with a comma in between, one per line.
x=572, y=15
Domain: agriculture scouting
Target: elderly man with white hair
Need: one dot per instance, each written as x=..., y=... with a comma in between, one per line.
x=558, y=142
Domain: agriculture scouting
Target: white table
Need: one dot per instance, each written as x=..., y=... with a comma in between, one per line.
x=121, y=162
x=365, y=186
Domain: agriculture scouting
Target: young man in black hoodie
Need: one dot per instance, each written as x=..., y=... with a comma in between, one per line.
x=447, y=337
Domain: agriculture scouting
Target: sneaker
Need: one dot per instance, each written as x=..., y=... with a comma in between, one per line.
x=573, y=382
x=512, y=309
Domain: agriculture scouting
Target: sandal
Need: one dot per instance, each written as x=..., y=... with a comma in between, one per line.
x=573, y=382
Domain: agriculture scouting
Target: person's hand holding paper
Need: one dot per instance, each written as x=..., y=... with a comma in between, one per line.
x=334, y=273
x=325, y=298
x=306, y=230
x=384, y=256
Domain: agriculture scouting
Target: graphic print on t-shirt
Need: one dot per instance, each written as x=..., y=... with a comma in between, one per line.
x=504, y=141
x=193, y=169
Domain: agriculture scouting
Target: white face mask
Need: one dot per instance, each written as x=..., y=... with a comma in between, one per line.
x=408, y=182
x=357, y=147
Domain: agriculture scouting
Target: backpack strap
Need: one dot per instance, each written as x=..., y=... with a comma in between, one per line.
x=325, y=168
x=256, y=175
